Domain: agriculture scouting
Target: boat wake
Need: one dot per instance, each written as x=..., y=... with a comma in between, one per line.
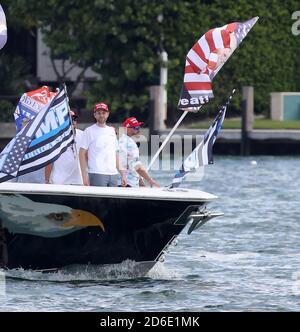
x=93, y=273
x=161, y=272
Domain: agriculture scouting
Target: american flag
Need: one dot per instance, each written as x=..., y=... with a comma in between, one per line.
x=40, y=142
x=206, y=58
x=202, y=155
x=15, y=155
x=3, y=28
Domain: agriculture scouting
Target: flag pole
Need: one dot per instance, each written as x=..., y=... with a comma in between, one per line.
x=74, y=148
x=167, y=138
x=73, y=131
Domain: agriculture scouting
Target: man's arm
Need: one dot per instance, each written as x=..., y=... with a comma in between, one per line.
x=143, y=173
x=48, y=170
x=121, y=171
x=83, y=154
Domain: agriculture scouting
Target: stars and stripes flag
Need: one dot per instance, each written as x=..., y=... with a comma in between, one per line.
x=31, y=103
x=3, y=28
x=202, y=155
x=40, y=142
x=206, y=58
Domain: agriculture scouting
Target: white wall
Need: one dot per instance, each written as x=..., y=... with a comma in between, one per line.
x=45, y=70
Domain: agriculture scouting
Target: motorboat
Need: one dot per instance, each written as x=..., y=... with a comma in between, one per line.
x=47, y=227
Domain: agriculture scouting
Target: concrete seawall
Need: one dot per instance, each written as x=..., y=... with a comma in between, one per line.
x=261, y=141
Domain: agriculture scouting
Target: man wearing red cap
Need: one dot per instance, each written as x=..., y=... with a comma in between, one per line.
x=99, y=152
x=130, y=157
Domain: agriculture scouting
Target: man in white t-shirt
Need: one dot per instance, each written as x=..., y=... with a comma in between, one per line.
x=99, y=152
x=66, y=169
x=130, y=156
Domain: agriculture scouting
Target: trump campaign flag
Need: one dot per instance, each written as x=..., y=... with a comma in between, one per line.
x=31, y=103
x=202, y=63
x=206, y=58
x=40, y=142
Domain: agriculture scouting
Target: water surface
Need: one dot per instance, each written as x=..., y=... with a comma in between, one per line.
x=247, y=260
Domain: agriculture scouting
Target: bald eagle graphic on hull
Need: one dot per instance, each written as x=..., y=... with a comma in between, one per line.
x=20, y=214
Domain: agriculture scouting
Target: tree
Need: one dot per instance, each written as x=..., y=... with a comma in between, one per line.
x=118, y=39
x=121, y=40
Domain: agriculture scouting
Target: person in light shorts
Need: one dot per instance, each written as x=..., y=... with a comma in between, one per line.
x=99, y=152
x=130, y=157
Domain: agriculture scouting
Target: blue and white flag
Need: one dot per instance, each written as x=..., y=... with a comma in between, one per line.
x=3, y=28
x=202, y=154
x=40, y=142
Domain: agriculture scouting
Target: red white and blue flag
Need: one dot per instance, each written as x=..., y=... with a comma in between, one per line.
x=3, y=28
x=31, y=103
x=206, y=58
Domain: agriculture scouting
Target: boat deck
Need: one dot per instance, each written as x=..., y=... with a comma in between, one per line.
x=178, y=194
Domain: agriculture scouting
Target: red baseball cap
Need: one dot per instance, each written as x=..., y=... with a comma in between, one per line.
x=73, y=114
x=101, y=106
x=132, y=123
